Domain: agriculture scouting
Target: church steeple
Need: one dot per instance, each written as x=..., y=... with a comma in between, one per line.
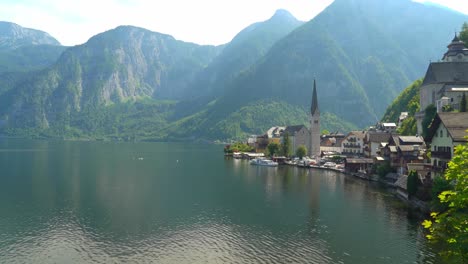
x=314, y=140
x=314, y=106
x=457, y=52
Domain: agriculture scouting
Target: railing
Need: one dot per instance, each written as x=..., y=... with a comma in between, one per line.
x=441, y=154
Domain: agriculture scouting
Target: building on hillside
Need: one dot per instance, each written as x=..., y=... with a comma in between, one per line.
x=446, y=131
x=402, y=150
x=445, y=81
x=298, y=135
x=402, y=117
x=314, y=142
x=273, y=135
x=353, y=144
x=373, y=141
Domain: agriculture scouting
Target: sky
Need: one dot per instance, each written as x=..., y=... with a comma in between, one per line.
x=73, y=22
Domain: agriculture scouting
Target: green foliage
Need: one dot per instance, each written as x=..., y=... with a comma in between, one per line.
x=384, y=168
x=450, y=227
x=408, y=127
x=273, y=148
x=412, y=183
x=238, y=147
x=286, y=145
x=407, y=101
x=463, y=103
x=429, y=114
x=301, y=151
x=439, y=185
x=447, y=108
x=325, y=132
x=464, y=33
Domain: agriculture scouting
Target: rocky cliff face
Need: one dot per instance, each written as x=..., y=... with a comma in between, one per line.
x=123, y=64
x=13, y=36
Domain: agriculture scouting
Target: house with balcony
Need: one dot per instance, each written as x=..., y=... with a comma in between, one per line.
x=353, y=144
x=403, y=150
x=331, y=143
x=446, y=131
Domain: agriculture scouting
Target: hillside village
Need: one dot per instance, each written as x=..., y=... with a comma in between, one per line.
x=380, y=149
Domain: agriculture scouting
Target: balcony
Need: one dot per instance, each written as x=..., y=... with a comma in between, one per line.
x=441, y=155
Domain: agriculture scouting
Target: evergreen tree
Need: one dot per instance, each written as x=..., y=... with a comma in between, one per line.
x=286, y=145
x=463, y=103
x=464, y=33
x=412, y=183
x=429, y=114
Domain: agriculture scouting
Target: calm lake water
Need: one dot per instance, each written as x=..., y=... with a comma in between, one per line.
x=94, y=202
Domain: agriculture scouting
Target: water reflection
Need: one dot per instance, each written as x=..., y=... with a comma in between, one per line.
x=87, y=202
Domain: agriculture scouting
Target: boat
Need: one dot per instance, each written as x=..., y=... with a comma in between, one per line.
x=264, y=162
x=329, y=164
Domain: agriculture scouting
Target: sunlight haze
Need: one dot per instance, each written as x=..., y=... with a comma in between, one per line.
x=203, y=22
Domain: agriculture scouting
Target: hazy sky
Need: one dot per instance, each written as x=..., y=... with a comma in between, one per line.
x=73, y=22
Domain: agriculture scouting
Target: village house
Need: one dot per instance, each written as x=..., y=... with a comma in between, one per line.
x=446, y=131
x=353, y=144
x=373, y=141
x=402, y=150
x=331, y=143
x=273, y=135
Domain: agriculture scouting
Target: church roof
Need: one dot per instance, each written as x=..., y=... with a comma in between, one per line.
x=314, y=106
x=446, y=72
x=292, y=130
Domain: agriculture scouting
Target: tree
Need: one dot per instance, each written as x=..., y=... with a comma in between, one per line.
x=450, y=227
x=463, y=103
x=464, y=33
x=273, y=148
x=429, y=114
x=412, y=183
x=301, y=151
x=325, y=132
x=286, y=145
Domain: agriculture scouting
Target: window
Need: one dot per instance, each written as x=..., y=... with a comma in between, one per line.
x=441, y=133
x=446, y=130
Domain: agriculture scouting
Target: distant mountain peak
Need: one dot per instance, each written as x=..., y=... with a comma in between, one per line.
x=283, y=14
x=13, y=35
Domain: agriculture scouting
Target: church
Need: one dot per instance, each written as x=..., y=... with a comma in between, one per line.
x=308, y=137
x=445, y=82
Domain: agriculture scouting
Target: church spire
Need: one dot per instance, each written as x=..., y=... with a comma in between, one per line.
x=314, y=106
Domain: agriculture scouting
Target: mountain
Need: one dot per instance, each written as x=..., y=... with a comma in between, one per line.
x=361, y=52
x=136, y=84
x=124, y=64
x=24, y=49
x=13, y=36
x=245, y=49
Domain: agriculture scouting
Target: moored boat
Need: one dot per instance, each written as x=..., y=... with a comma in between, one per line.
x=264, y=162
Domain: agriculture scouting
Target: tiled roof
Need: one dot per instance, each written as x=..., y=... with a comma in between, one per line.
x=456, y=124
x=378, y=137
x=293, y=129
x=411, y=140
x=446, y=72
x=402, y=182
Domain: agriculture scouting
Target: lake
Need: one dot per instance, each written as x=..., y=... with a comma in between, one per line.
x=103, y=202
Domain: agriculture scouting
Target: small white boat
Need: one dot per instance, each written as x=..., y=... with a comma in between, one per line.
x=264, y=162
x=329, y=165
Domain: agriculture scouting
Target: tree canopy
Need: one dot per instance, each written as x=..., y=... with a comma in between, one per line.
x=464, y=33
x=450, y=227
x=301, y=151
